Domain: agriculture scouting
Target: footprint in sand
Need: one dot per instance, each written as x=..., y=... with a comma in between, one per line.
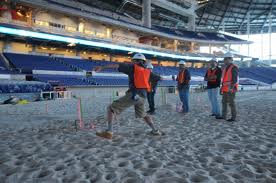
x=131, y=177
x=44, y=173
x=123, y=164
x=124, y=154
x=171, y=180
x=59, y=168
x=153, y=164
x=199, y=178
x=110, y=176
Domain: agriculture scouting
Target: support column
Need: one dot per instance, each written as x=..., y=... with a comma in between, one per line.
x=248, y=32
x=77, y=51
x=7, y=45
x=269, y=31
x=33, y=48
x=210, y=49
x=175, y=43
x=146, y=13
x=81, y=25
x=159, y=62
x=223, y=25
x=192, y=47
x=191, y=23
x=262, y=45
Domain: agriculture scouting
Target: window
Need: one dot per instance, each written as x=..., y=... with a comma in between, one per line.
x=72, y=29
x=41, y=23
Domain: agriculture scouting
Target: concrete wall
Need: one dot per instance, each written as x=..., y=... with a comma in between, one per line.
x=57, y=52
x=55, y=18
x=97, y=91
x=125, y=35
x=6, y=14
x=20, y=47
x=1, y=45
x=97, y=28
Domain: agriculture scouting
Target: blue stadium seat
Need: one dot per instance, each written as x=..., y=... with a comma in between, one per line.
x=35, y=62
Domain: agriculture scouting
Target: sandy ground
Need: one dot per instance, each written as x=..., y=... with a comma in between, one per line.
x=38, y=143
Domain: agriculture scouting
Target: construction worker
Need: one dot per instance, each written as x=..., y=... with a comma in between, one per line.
x=152, y=91
x=183, y=85
x=213, y=78
x=139, y=77
x=229, y=87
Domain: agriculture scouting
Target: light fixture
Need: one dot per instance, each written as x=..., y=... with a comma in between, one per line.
x=19, y=13
x=65, y=39
x=71, y=44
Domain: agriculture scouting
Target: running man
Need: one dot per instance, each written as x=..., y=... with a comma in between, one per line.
x=139, y=76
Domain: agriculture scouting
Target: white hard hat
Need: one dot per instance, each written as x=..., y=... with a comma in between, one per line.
x=213, y=60
x=149, y=66
x=181, y=62
x=228, y=55
x=139, y=56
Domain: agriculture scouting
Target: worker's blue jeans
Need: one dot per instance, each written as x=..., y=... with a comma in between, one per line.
x=213, y=97
x=184, y=97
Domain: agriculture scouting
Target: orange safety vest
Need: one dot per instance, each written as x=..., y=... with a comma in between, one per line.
x=141, y=77
x=211, y=73
x=181, y=77
x=227, y=79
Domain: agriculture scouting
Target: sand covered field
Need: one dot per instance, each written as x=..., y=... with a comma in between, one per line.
x=39, y=143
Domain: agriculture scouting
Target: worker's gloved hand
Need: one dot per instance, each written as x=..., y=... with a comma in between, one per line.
x=232, y=89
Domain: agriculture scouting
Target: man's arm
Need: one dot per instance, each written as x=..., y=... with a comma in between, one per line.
x=205, y=77
x=188, y=75
x=111, y=66
x=155, y=77
x=235, y=74
x=219, y=75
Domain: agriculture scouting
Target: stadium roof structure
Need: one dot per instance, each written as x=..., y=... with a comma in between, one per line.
x=213, y=15
x=233, y=15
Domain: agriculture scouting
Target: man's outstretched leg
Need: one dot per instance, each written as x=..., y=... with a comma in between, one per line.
x=154, y=131
x=108, y=133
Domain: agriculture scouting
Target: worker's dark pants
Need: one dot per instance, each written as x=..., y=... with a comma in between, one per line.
x=229, y=98
x=150, y=96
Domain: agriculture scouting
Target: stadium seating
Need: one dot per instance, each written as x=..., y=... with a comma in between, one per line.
x=87, y=65
x=3, y=68
x=62, y=80
x=209, y=36
x=261, y=74
x=35, y=62
x=11, y=86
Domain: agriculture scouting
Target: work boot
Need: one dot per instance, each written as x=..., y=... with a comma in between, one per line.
x=152, y=112
x=105, y=134
x=231, y=120
x=220, y=117
x=156, y=133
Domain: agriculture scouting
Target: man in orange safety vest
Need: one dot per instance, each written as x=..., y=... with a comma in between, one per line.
x=229, y=87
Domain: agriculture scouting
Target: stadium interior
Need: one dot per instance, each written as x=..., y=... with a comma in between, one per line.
x=56, y=43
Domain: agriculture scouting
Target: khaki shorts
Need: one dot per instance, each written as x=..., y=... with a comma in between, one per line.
x=118, y=106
